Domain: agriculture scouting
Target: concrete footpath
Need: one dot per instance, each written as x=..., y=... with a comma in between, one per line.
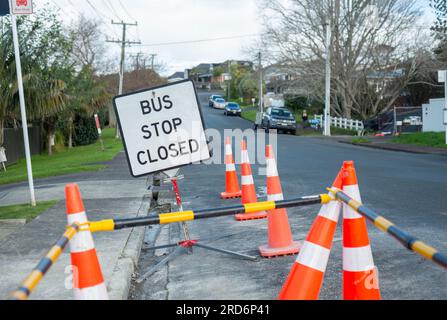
x=107, y=194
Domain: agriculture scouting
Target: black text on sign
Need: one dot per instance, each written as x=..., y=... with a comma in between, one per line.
x=162, y=128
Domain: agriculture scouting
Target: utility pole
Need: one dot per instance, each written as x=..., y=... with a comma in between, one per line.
x=327, y=111
x=229, y=80
x=137, y=57
x=261, y=82
x=153, y=55
x=123, y=43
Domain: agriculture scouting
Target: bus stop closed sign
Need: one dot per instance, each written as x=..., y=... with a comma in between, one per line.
x=162, y=128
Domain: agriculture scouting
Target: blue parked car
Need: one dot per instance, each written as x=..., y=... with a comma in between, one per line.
x=232, y=109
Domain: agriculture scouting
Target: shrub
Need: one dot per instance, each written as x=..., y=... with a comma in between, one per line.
x=85, y=131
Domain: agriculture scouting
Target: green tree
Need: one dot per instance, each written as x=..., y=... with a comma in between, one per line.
x=439, y=28
x=44, y=50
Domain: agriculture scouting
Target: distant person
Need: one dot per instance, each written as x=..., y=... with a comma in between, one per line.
x=305, y=116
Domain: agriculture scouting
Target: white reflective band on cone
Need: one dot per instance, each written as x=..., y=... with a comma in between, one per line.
x=82, y=241
x=231, y=167
x=357, y=259
x=245, y=158
x=272, y=171
x=98, y=292
x=313, y=256
x=330, y=211
x=247, y=180
x=275, y=197
x=354, y=193
x=228, y=150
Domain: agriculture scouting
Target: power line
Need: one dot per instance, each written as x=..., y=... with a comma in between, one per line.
x=125, y=10
x=109, y=7
x=200, y=40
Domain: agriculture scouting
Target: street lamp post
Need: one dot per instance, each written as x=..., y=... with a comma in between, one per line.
x=327, y=110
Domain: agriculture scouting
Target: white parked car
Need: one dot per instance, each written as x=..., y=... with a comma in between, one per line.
x=219, y=103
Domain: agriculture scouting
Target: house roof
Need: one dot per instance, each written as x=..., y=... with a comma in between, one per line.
x=177, y=75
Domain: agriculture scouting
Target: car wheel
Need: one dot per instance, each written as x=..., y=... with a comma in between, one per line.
x=293, y=132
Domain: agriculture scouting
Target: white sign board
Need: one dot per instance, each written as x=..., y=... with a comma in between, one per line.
x=21, y=7
x=162, y=128
x=441, y=76
x=2, y=155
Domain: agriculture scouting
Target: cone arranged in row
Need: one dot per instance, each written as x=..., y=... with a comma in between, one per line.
x=88, y=281
x=248, y=187
x=280, y=241
x=232, y=189
x=306, y=277
x=360, y=280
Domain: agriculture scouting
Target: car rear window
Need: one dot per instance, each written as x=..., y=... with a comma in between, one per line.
x=281, y=113
x=217, y=97
x=233, y=105
x=220, y=100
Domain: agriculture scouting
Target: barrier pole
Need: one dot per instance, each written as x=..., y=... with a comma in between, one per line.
x=38, y=273
x=410, y=242
x=174, y=217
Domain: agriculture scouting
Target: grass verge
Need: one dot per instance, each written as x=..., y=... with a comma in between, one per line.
x=360, y=140
x=249, y=115
x=25, y=211
x=428, y=139
x=79, y=159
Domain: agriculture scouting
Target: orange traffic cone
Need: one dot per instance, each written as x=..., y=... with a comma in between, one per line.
x=360, y=281
x=306, y=277
x=280, y=242
x=232, y=184
x=88, y=282
x=248, y=188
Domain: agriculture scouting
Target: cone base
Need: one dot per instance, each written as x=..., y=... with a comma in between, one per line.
x=231, y=195
x=293, y=249
x=251, y=216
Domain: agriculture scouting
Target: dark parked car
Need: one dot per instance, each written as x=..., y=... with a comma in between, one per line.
x=279, y=119
x=212, y=99
x=232, y=109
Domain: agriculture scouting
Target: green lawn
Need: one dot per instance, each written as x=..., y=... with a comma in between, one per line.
x=430, y=139
x=25, y=211
x=249, y=115
x=67, y=161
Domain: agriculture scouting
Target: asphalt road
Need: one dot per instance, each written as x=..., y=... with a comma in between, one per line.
x=408, y=189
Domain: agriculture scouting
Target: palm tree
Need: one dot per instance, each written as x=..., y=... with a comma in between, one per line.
x=94, y=97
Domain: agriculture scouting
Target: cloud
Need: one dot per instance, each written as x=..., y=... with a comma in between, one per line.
x=161, y=21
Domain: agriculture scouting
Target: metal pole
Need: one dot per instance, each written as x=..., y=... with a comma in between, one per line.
x=395, y=121
x=229, y=81
x=23, y=110
x=327, y=112
x=261, y=89
x=445, y=100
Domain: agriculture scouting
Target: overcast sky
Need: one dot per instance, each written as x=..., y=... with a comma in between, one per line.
x=161, y=21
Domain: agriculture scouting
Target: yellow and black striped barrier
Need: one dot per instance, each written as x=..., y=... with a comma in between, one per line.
x=167, y=218
x=30, y=283
x=387, y=226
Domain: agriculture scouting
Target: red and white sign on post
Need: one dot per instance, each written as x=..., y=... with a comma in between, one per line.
x=98, y=125
x=21, y=7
